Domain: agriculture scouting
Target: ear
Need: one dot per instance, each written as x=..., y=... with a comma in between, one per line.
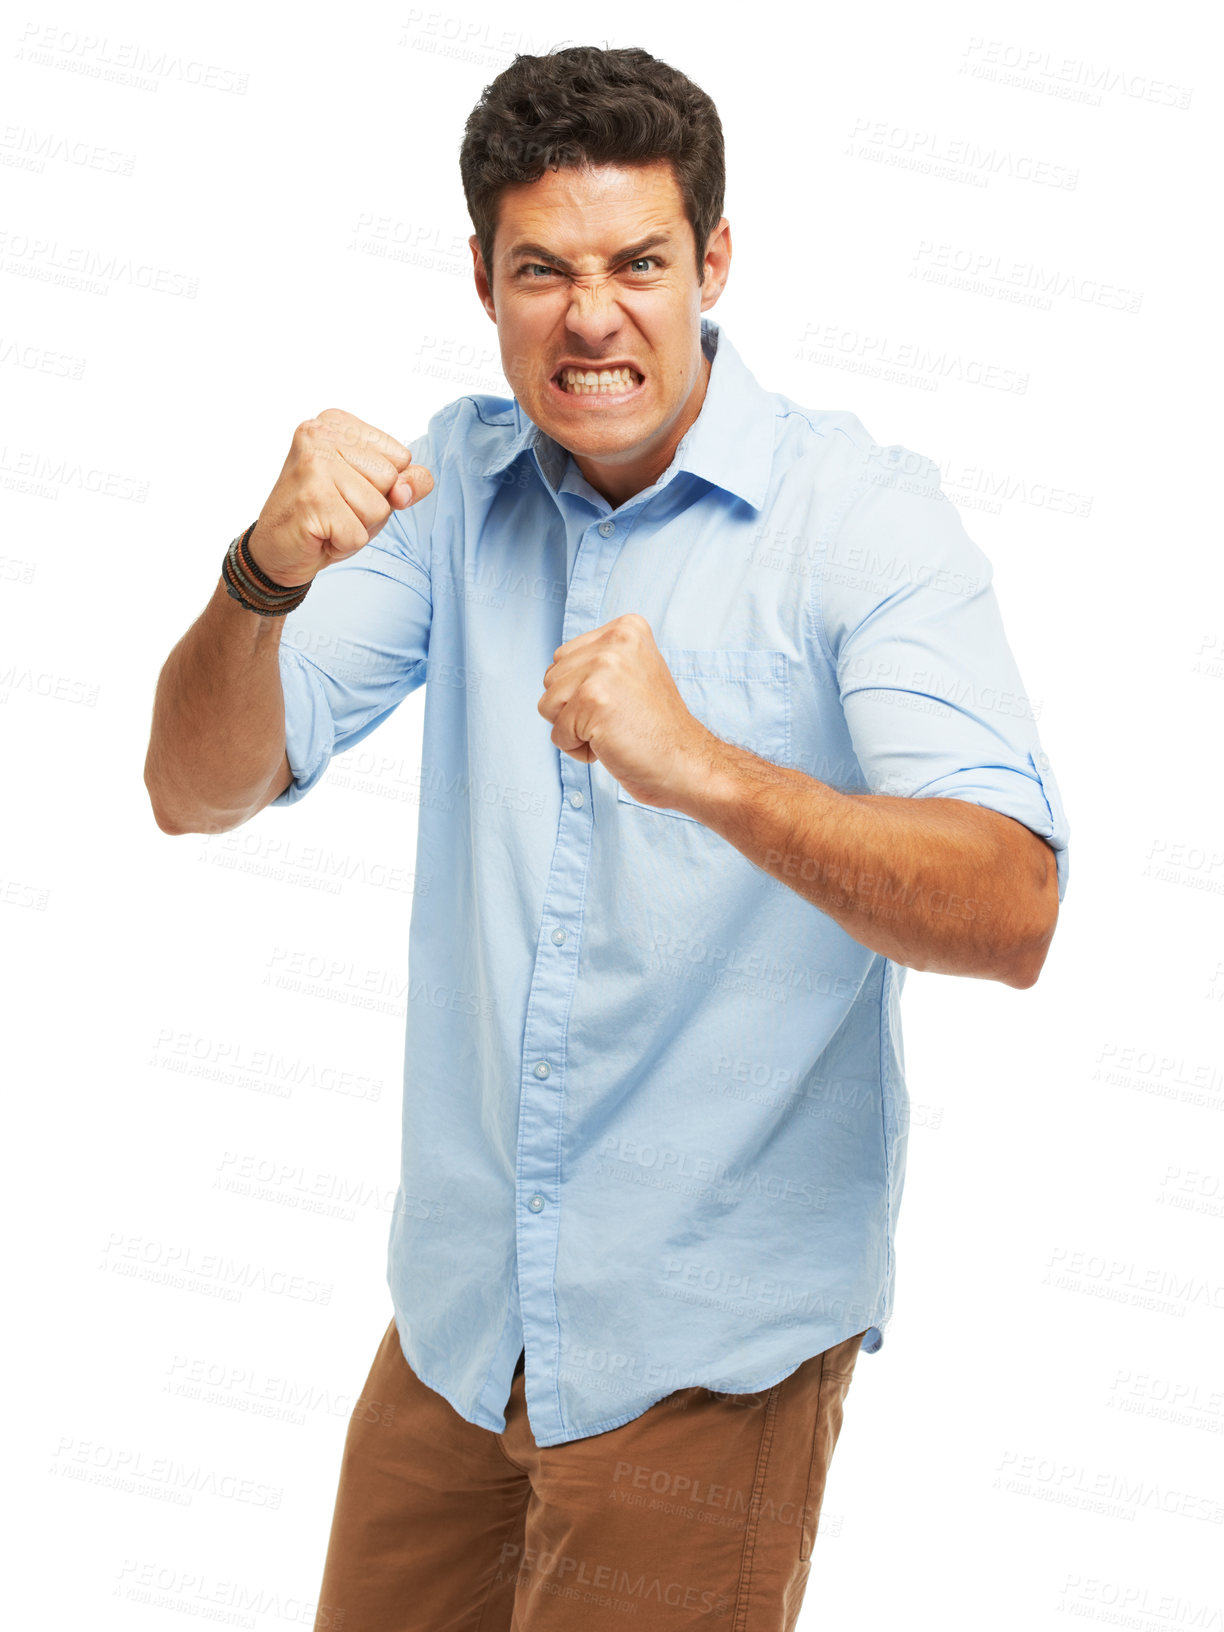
x=717, y=263
x=483, y=286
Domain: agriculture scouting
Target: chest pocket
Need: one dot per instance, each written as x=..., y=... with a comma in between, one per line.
x=741, y=695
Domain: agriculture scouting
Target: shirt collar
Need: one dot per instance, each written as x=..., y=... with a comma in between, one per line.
x=729, y=444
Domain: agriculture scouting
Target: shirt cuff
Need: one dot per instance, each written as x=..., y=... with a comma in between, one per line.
x=1030, y=796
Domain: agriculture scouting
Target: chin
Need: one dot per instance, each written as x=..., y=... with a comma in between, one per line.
x=596, y=441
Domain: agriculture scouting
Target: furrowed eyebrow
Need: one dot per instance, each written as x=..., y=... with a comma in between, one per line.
x=537, y=251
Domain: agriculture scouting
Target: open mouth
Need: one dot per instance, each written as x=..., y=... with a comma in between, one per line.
x=621, y=381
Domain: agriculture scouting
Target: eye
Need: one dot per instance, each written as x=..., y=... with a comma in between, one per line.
x=645, y=261
x=529, y=267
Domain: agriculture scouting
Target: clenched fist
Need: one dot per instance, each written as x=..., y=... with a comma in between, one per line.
x=611, y=697
x=340, y=482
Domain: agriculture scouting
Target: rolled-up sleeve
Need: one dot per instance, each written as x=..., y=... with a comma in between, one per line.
x=932, y=696
x=359, y=642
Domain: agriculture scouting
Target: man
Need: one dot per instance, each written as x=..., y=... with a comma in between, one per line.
x=721, y=734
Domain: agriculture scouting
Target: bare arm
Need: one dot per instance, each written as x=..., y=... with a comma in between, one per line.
x=938, y=884
x=217, y=744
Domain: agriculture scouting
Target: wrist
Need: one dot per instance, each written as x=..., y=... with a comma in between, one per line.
x=711, y=781
x=254, y=590
x=271, y=582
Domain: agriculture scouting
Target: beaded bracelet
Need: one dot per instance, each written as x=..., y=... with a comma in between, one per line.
x=252, y=588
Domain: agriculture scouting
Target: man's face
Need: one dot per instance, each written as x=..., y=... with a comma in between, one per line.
x=595, y=270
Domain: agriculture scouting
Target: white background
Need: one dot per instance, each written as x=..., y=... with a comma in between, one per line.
x=218, y=223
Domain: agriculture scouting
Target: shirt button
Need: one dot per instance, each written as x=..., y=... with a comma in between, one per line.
x=558, y=936
x=873, y=1338
x=607, y=528
x=576, y=800
x=543, y=1069
x=536, y=1203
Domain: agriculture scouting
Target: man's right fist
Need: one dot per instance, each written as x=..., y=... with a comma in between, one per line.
x=340, y=482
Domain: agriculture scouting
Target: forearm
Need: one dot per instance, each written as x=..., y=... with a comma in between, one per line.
x=218, y=730
x=937, y=884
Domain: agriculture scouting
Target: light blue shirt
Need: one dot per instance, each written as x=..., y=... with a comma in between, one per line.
x=655, y=1114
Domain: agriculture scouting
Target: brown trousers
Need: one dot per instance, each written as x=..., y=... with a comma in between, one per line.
x=701, y=1511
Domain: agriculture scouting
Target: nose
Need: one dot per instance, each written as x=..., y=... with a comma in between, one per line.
x=593, y=314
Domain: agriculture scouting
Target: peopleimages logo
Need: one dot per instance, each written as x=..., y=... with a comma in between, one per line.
x=984, y=272
x=1073, y=79
x=955, y=158
x=902, y=362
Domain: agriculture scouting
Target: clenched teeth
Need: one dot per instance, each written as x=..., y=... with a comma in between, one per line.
x=610, y=380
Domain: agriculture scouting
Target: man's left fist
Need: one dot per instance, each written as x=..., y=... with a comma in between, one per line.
x=611, y=697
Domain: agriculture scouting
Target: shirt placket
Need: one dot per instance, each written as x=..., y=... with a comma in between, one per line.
x=544, y=1064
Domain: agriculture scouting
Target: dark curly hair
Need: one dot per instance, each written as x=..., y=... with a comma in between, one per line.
x=584, y=105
